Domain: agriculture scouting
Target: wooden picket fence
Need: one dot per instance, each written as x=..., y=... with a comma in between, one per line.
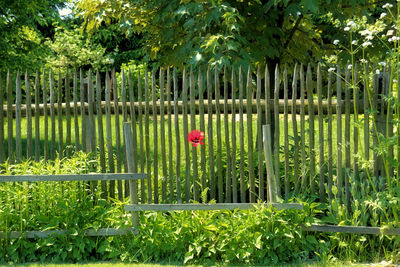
x=64, y=112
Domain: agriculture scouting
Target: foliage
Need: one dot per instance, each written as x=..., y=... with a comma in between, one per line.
x=221, y=32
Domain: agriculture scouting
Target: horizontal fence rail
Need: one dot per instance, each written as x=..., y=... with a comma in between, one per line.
x=323, y=129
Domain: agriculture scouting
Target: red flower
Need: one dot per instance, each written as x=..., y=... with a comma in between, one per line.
x=195, y=137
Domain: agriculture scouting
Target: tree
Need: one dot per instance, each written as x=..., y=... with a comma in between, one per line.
x=219, y=32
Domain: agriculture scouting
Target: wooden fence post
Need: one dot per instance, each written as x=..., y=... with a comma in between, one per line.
x=131, y=161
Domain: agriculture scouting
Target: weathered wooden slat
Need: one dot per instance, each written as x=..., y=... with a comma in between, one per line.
x=355, y=129
x=250, y=143
x=170, y=149
x=202, y=129
x=196, y=195
x=311, y=126
x=2, y=146
x=276, y=138
x=155, y=138
x=72, y=177
x=53, y=118
x=286, y=131
x=132, y=115
x=147, y=137
x=37, y=117
x=185, y=134
x=46, y=122
x=366, y=105
x=125, y=118
x=366, y=230
x=10, y=124
x=92, y=142
x=117, y=132
x=60, y=116
x=18, y=100
x=228, y=183
x=101, y=133
x=321, y=138
x=330, y=131
x=220, y=180
x=76, y=111
x=110, y=154
x=233, y=164
x=295, y=133
x=29, y=141
x=68, y=112
x=339, y=172
x=132, y=165
x=178, y=141
x=260, y=158
x=83, y=110
x=215, y=206
x=271, y=179
x=49, y=233
x=241, y=139
x=162, y=139
x=210, y=137
x=302, y=130
x=141, y=139
x=347, y=138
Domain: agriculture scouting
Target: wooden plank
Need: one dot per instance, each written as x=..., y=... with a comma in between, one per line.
x=339, y=152
x=267, y=110
x=178, y=141
x=220, y=180
x=366, y=230
x=347, y=138
x=286, y=130
x=60, y=116
x=37, y=116
x=141, y=139
x=131, y=161
x=321, y=138
x=46, y=122
x=110, y=154
x=155, y=137
x=53, y=118
x=18, y=100
x=259, y=143
x=101, y=133
x=214, y=206
x=72, y=177
x=92, y=121
x=68, y=112
x=389, y=118
x=202, y=129
x=241, y=139
x=228, y=182
x=271, y=179
x=75, y=99
x=170, y=150
x=185, y=134
x=233, y=132
x=2, y=145
x=132, y=114
x=29, y=141
x=210, y=123
x=117, y=132
x=366, y=104
x=125, y=119
x=276, y=129
x=196, y=195
x=10, y=124
x=304, y=163
x=50, y=233
x=330, y=131
x=295, y=133
x=147, y=137
x=162, y=139
x=250, y=143
x=311, y=126
x=83, y=111
x=355, y=129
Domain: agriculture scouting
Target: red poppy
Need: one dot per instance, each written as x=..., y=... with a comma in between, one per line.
x=195, y=137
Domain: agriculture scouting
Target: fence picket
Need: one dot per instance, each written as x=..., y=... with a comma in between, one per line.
x=210, y=136
x=347, y=138
x=132, y=114
x=185, y=134
x=311, y=126
x=10, y=124
x=83, y=110
x=37, y=117
x=59, y=116
x=228, y=191
x=141, y=139
x=339, y=139
x=18, y=100
x=330, y=130
x=295, y=133
x=68, y=112
x=100, y=133
x=170, y=151
x=110, y=154
x=303, y=130
x=75, y=99
x=241, y=139
x=162, y=139
x=29, y=141
x=155, y=137
x=202, y=129
x=192, y=127
x=260, y=147
x=219, y=141
x=147, y=137
x=321, y=137
x=46, y=122
x=286, y=130
x=117, y=133
x=53, y=118
x=178, y=141
x=233, y=154
x=276, y=130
